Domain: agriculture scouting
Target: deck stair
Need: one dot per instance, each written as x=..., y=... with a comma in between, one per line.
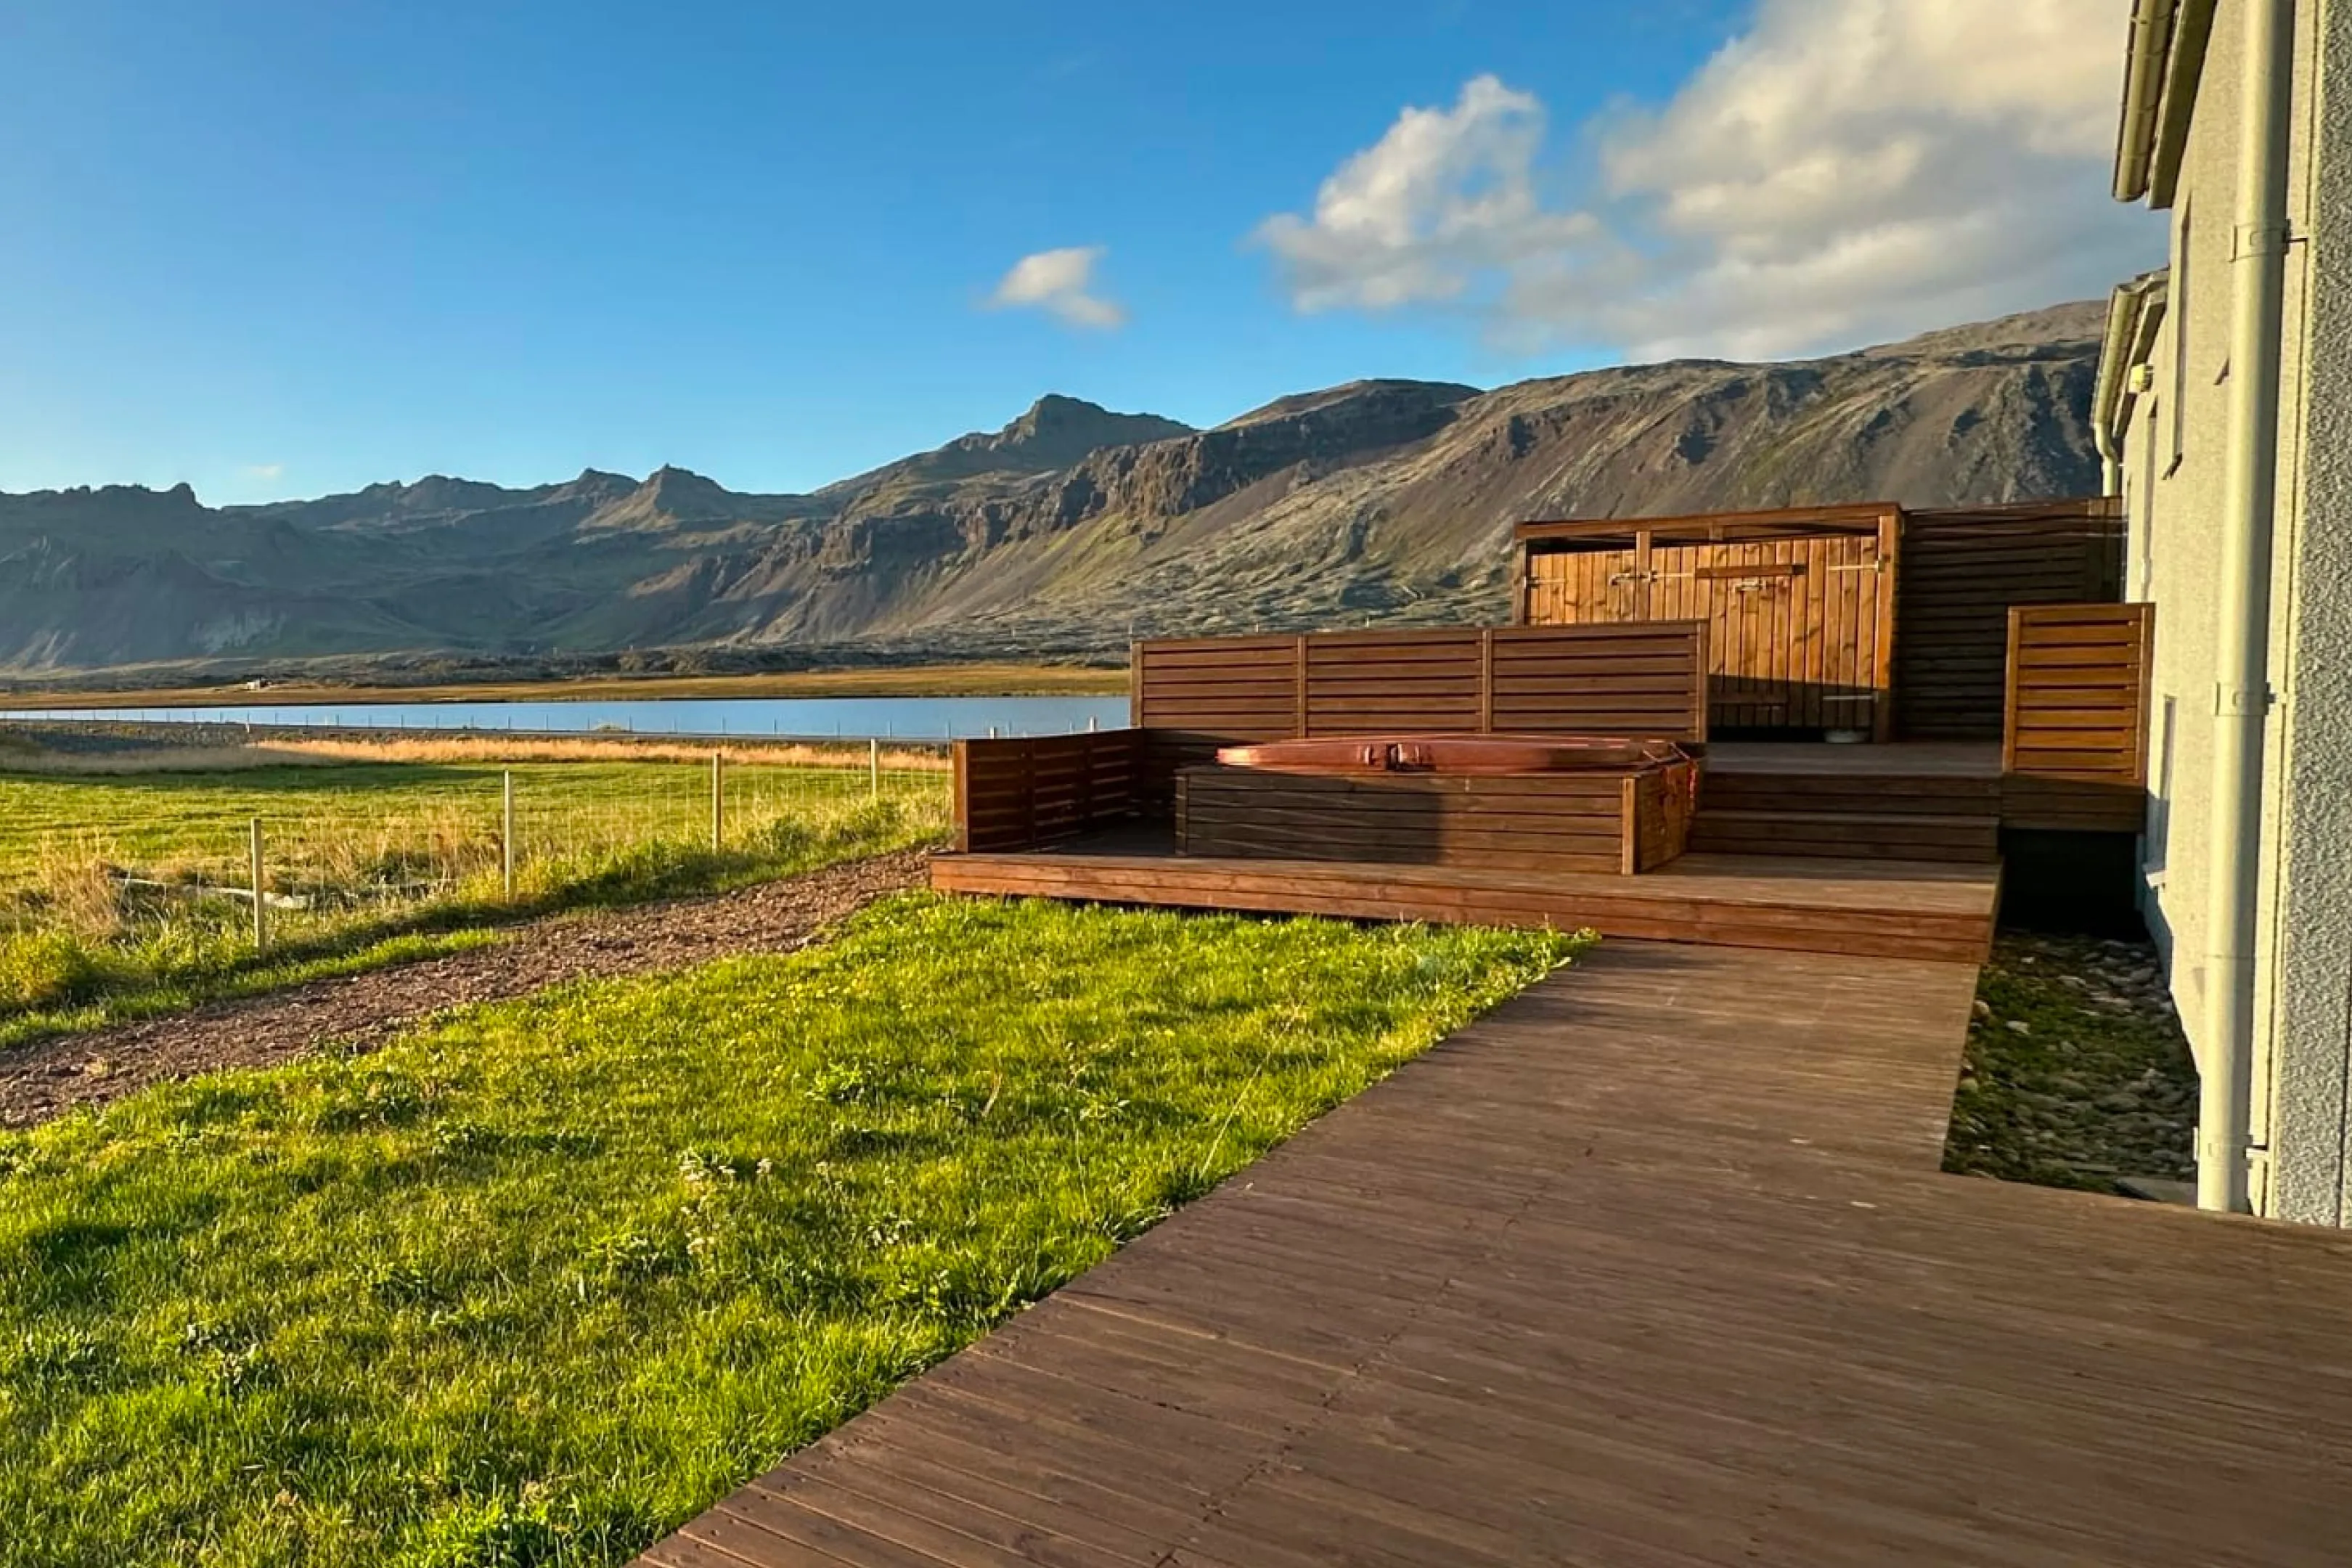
x=1924, y=817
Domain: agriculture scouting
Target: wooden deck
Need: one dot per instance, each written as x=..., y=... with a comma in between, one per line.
x=1653, y=1267
x=1880, y=908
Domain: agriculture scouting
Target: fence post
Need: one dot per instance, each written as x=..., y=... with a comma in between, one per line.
x=717, y=801
x=506, y=832
x=260, y=900
x=874, y=766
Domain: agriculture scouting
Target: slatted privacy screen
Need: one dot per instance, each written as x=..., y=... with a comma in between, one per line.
x=1364, y=682
x=2077, y=692
x=1646, y=681
x=1018, y=794
x=1963, y=570
x=1246, y=688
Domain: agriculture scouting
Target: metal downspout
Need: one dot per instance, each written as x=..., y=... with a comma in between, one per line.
x=2241, y=685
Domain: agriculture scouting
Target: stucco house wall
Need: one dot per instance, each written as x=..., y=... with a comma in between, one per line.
x=2171, y=462
x=2311, y=1132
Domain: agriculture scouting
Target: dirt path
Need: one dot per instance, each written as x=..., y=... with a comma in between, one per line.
x=50, y=1077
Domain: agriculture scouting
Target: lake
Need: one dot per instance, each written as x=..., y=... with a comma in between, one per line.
x=809, y=718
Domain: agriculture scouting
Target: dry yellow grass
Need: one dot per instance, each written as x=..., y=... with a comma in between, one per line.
x=329, y=751
x=608, y=749
x=75, y=889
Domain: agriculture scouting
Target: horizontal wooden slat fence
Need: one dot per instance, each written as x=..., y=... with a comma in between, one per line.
x=1558, y=822
x=1020, y=793
x=1963, y=569
x=1646, y=679
x=2074, y=743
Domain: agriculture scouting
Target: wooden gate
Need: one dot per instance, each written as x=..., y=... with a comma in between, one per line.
x=1799, y=607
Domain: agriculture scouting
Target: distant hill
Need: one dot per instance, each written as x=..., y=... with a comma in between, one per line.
x=1068, y=529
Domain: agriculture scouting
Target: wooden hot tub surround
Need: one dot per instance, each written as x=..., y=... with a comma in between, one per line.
x=1535, y=804
x=1492, y=754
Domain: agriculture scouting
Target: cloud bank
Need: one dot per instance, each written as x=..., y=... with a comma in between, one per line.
x=1847, y=171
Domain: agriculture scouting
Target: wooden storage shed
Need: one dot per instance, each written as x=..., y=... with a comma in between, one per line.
x=1866, y=618
x=1799, y=606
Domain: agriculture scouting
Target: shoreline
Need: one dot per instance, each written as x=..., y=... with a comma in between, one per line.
x=957, y=679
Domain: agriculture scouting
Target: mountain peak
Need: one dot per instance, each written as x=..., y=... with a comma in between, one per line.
x=1075, y=426
x=675, y=489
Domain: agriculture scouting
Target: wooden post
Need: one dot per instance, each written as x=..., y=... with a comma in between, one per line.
x=717, y=801
x=1890, y=553
x=1486, y=680
x=874, y=767
x=959, y=756
x=260, y=894
x=1299, y=695
x=507, y=832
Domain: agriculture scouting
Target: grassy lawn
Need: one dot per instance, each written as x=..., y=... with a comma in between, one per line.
x=539, y=1283
x=104, y=913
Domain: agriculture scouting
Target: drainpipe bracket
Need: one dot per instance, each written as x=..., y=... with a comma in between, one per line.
x=2248, y=240
x=2237, y=702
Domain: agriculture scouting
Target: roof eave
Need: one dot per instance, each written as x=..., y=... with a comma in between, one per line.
x=2135, y=311
x=2161, y=70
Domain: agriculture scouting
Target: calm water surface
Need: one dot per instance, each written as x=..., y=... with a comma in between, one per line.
x=811, y=718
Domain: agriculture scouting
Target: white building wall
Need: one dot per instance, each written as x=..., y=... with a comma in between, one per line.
x=2311, y=975
x=2172, y=465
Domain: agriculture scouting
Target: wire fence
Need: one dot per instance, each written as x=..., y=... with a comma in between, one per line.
x=123, y=864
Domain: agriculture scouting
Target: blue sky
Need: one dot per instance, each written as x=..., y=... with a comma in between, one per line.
x=286, y=248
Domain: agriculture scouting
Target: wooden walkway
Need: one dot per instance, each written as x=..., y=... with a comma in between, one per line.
x=1653, y=1267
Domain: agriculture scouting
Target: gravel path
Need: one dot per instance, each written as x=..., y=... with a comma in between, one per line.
x=48, y=1077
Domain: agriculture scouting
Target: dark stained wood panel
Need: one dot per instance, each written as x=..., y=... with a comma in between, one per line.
x=1599, y=823
x=1013, y=794
x=1647, y=681
x=1963, y=569
x=1651, y=1266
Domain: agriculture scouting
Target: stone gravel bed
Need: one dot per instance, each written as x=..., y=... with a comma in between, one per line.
x=2077, y=1074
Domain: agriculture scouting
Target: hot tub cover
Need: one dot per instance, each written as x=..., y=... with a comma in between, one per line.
x=1453, y=754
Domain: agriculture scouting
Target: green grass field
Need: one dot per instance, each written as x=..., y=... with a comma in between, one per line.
x=536, y=1285
x=116, y=892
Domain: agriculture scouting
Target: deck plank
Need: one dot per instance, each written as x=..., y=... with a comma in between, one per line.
x=1651, y=1266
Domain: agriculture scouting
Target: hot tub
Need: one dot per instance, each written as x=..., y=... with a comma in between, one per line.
x=1524, y=804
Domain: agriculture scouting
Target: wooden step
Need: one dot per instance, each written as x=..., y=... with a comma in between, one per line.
x=1812, y=795
x=1876, y=906
x=1838, y=835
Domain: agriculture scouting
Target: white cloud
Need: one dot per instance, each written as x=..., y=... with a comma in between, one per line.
x=265, y=471
x=1845, y=171
x=1060, y=282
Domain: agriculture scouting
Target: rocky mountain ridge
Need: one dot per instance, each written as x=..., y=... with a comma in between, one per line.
x=1066, y=529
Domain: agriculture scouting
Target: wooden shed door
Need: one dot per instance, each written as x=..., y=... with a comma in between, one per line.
x=1586, y=587
x=1797, y=633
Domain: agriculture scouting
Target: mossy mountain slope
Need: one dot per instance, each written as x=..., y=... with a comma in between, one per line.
x=1071, y=528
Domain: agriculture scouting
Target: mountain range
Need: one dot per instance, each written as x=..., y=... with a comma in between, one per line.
x=1068, y=531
